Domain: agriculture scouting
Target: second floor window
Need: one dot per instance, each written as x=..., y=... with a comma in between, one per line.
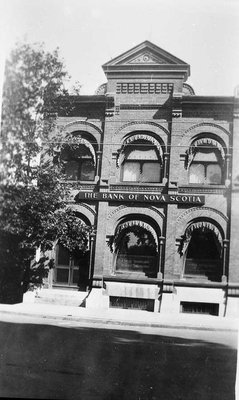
x=78, y=164
x=206, y=167
x=141, y=164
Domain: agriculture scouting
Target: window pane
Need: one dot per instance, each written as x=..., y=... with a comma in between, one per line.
x=151, y=172
x=62, y=275
x=131, y=171
x=137, y=253
x=87, y=171
x=196, y=173
x=71, y=170
x=76, y=276
x=214, y=174
x=63, y=256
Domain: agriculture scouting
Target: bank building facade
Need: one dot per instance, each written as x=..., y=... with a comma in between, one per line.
x=154, y=173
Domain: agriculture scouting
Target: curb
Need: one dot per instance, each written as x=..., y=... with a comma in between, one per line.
x=122, y=322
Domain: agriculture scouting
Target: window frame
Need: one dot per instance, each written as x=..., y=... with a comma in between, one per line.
x=141, y=163
x=205, y=165
x=149, y=270
x=200, y=276
x=71, y=267
x=80, y=161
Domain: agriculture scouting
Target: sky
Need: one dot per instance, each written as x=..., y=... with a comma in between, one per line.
x=203, y=33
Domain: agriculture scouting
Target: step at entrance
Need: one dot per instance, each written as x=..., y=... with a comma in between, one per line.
x=60, y=297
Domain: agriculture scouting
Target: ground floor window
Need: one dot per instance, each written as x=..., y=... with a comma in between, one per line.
x=71, y=269
x=203, y=255
x=136, y=250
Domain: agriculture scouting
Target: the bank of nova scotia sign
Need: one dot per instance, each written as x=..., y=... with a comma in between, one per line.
x=141, y=197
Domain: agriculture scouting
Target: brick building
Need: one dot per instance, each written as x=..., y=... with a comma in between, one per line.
x=155, y=174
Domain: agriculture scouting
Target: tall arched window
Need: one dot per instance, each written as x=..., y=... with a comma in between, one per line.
x=141, y=159
x=136, y=249
x=203, y=252
x=206, y=158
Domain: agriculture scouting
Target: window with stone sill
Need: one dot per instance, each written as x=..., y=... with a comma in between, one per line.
x=141, y=164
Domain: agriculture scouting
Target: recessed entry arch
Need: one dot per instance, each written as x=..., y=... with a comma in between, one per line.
x=72, y=267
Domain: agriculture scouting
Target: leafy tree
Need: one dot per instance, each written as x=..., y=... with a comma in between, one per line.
x=33, y=197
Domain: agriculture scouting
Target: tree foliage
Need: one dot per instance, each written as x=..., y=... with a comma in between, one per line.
x=34, y=79
x=33, y=196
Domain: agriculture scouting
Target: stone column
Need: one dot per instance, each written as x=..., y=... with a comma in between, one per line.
x=160, y=250
x=165, y=169
x=91, y=261
x=98, y=159
x=228, y=159
x=224, y=259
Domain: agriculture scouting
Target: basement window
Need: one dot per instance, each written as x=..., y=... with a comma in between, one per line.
x=199, y=308
x=132, y=303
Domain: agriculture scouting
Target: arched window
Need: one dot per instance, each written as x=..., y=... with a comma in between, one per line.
x=206, y=161
x=141, y=159
x=78, y=159
x=136, y=249
x=203, y=252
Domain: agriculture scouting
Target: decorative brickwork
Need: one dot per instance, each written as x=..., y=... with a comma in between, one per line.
x=150, y=102
x=144, y=88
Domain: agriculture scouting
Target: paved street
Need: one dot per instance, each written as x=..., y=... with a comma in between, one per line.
x=62, y=359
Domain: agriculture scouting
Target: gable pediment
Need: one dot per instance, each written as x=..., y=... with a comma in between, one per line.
x=145, y=53
x=146, y=57
x=146, y=60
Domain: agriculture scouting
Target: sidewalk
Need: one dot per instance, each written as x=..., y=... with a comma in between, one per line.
x=120, y=317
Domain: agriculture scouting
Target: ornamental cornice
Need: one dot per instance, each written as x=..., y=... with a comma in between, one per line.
x=89, y=213
x=201, y=209
x=88, y=208
x=116, y=210
x=207, y=124
x=137, y=210
x=188, y=87
x=162, y=215
x=80, y=122
x=145, y=123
